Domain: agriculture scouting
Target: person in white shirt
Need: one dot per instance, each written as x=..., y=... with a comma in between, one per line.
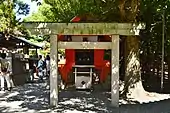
x=5, y=72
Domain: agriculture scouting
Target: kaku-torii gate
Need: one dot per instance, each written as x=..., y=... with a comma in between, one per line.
x=113, y=29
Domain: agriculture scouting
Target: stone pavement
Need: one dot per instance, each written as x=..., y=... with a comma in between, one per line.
x=33, y=98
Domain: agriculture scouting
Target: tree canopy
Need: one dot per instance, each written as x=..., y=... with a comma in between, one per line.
x=65, y=10
x=148, y=11
x=8, y=10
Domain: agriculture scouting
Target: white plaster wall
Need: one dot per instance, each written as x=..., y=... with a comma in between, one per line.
x=80, y=38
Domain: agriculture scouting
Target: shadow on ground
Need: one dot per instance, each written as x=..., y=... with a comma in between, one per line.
x=30, y=97
x=34, y=97
x=86, y=102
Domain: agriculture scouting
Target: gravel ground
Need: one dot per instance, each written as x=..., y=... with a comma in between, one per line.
x=33, y=98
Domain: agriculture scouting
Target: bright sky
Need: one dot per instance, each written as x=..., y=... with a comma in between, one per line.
x=33, y=8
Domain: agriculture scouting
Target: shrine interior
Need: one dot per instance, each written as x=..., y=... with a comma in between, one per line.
x=87, y=66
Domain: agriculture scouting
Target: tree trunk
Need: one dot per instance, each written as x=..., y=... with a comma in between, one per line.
x=133, y=82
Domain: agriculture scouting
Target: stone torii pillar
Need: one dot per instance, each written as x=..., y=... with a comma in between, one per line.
x=53, y=70
x=113, y=29
x=115, y=71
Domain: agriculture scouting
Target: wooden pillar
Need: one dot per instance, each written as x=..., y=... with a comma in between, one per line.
x=53, y=71
x=115, y=71
x=36, y=53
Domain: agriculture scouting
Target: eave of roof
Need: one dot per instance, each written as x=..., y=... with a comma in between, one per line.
x=14, y=40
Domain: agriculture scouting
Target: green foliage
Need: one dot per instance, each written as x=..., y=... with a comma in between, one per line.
x=8, y=22
x=109, y=11
x=152, y=15
x=44, y=14
x=7, y=15
x=61, y=51
x=65, y=10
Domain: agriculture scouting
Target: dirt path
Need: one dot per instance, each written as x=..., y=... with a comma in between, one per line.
x=33, y=98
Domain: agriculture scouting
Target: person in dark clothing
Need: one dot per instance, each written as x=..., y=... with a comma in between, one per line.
x=31, y=70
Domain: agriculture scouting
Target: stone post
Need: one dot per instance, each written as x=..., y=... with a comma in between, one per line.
x=53, y=71
x=115, y=71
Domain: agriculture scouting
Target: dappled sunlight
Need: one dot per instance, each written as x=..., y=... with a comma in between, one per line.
x=33, y=98
x=97, y=101
x=30, y=97
x=115, y=87
x=134, y=64
x=132, y=82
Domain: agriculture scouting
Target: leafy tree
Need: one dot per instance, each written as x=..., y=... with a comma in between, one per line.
x=8, y=22
x=43, y=14
x=64, y=11
x=151, y=47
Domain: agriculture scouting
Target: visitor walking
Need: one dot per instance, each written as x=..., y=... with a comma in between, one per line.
x=5, y=72
x=47, y=61
x=40, y=67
